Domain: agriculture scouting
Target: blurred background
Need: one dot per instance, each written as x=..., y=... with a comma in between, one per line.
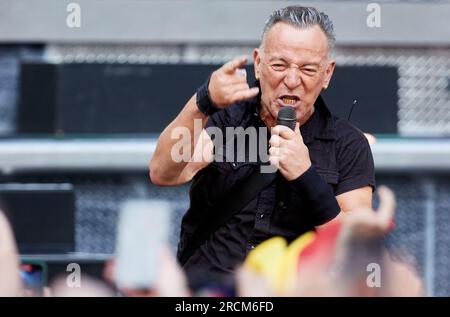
x=87, y=86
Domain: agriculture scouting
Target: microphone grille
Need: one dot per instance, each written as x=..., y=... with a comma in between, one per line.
x=287, y=117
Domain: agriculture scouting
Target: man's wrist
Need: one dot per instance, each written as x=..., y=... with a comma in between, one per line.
x=318, y=193
x=311, y=183
x=296, y=176
x=305, y=179
x=203, y=100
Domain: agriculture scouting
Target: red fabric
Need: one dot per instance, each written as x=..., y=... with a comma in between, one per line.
x=322, y=247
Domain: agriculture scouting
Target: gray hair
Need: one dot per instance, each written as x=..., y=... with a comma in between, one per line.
x=302, y=17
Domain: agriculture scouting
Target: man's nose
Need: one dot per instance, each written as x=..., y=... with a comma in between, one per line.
x=292, y=79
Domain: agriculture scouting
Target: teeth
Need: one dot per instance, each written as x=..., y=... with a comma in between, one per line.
x=289, y=101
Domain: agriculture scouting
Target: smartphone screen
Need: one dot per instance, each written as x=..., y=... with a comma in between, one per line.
x=143, y=232
x=33, y=275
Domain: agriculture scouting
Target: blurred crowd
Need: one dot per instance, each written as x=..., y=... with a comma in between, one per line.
x=345, y=257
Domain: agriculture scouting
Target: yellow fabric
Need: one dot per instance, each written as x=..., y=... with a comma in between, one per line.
x=277, y=261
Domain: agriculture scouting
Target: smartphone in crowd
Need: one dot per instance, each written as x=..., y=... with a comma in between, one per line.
x=34, y=277
x=143, y=233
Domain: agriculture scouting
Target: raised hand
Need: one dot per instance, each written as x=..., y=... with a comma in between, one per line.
x=228, y=84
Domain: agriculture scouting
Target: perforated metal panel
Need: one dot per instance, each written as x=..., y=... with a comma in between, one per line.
x=442, y=250
x=99, y=201
x=8, y=88
x=10, y=57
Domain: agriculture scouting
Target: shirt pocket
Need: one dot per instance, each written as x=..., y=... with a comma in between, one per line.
x=223, y=176
x=331, y=177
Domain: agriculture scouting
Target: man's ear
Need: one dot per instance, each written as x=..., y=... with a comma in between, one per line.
x=257, y=62
x=329, y=73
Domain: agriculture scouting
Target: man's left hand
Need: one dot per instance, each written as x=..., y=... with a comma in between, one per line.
x=288, y=152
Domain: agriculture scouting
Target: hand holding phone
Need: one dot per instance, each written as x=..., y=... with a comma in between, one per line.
x=143, y=232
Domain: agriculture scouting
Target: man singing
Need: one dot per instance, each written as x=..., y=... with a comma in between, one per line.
x=324, y=165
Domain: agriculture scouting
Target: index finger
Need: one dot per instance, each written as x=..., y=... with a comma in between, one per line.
x=386, y=210
x=234, y=64
x=283, y=131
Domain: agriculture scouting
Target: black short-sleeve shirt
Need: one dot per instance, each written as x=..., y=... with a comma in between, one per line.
x=339, y=152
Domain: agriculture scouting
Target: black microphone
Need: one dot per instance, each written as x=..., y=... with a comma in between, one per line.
x=286, y=117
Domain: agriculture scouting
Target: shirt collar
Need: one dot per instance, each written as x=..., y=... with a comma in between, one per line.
x=320, y=125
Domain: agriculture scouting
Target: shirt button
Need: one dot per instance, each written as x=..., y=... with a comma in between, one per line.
x=261, y=216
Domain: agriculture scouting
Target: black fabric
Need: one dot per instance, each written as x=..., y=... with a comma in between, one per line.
x=204, y=102
x=340, y=155
x=318, y=194
x=242, y=194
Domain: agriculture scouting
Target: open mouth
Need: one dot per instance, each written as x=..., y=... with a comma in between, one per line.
x=288, y=100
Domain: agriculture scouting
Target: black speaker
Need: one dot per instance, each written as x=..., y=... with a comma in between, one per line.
x=117, y=98
x=42, y=216
x=104, y=98
x=375, y=90
x=37, y=98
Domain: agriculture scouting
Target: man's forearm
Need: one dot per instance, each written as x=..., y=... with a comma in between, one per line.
x=164, y=170
x=224, y=87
